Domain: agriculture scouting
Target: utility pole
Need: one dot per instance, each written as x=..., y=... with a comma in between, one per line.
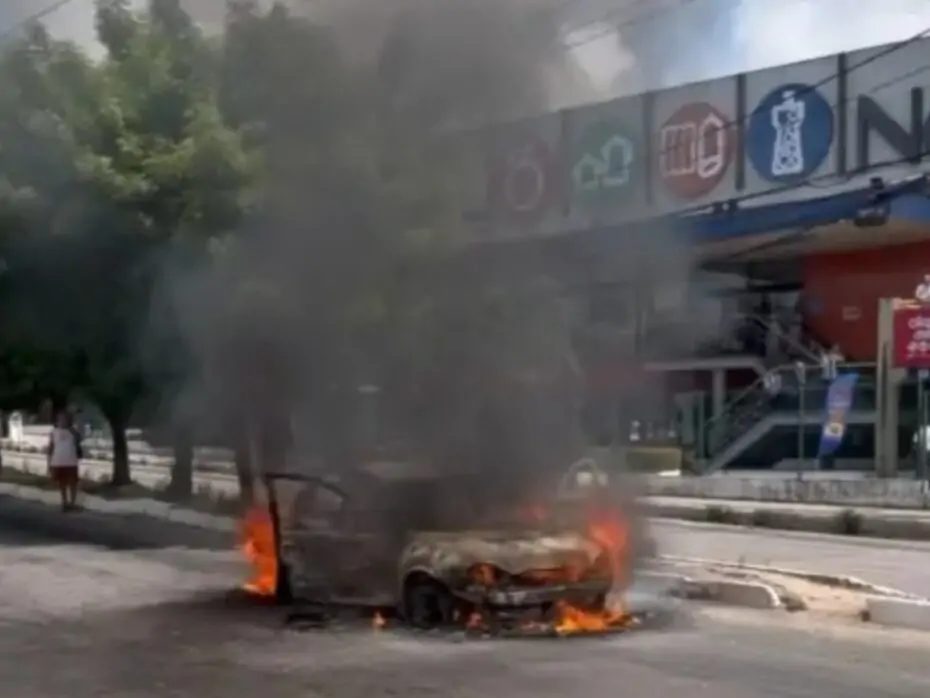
x=921, y=441
x=801, y=370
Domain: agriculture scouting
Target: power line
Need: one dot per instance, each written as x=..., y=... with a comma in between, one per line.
x=635, y=21
x=808, y=89
x=740, y=123
x=614, y=27
x=35, y=17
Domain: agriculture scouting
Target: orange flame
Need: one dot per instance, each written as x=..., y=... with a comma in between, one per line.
x=568, y=620
x=258, y=545
x=571, y=620
x=475, y=621
x=485, y=575
x=610, y=530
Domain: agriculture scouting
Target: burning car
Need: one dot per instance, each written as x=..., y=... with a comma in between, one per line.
x=389, y=536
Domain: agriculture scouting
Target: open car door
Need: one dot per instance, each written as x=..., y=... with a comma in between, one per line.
x=326, y=550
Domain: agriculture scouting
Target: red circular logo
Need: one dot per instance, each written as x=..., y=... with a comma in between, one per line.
x=522, y=181
x=695, y=150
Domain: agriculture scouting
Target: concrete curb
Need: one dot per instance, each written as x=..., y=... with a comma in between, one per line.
x=731, y=593
x=899, y=613
x=145, y=507
x=840, y=581
x=102, y=456
x=663, y=583
x=842, y=521
x=745, y=594
x=36, y=463
x=836, y=488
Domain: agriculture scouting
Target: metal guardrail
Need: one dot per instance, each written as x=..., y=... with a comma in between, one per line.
x=761, y=399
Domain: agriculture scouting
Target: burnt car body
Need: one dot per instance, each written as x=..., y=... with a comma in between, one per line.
x=385, y=537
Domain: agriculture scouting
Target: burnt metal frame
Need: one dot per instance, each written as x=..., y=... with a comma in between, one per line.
x=283, y=592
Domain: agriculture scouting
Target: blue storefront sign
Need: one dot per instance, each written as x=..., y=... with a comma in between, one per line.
x=790, y=133
x=840, y=396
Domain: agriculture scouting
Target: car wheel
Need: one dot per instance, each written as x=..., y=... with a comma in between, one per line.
x=427, y=603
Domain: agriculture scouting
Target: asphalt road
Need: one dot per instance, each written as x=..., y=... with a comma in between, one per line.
x=903, y=565
x=85, y=618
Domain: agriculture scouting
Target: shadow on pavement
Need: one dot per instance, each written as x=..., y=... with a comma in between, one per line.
x=25, y=521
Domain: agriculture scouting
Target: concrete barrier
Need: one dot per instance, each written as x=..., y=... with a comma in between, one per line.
x=899, y=613
x=207, y=458
x=744, y=594
x=837, y=581
x=804, y=488
x=815, y=518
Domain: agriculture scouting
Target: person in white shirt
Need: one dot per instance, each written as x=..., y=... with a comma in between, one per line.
x=64, y=452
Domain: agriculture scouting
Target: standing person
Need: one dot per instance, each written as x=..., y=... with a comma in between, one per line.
x=64, y=452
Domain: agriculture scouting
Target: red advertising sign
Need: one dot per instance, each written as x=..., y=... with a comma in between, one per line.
x=522, y=180
x=694, y=150
x=911, y=336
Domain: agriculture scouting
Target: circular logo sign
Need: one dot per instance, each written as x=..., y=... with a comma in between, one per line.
x=790, y=134
x=695, y=150
x=603, y=164
x=521, y=184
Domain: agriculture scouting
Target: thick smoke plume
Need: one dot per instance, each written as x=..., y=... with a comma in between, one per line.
x=318, y=341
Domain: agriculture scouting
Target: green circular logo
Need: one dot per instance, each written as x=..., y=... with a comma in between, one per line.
x=605, y=162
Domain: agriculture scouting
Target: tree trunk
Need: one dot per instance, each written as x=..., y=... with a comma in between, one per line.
x=181, y=486
x=121, y=473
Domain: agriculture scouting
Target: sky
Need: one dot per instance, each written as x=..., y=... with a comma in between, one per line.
x=680, y=41
x=660, y=42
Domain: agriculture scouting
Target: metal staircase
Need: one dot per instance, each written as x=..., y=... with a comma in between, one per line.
x=784, y=346
x=749, y=416
x=749, y=409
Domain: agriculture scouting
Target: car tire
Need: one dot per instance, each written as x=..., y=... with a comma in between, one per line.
x=426, y=603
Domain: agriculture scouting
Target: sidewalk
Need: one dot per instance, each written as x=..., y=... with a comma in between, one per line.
x=143, y=507
x=906, y=524
x=147, y=475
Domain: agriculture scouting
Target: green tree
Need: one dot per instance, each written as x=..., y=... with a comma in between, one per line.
x=111, y=171
x=168, y=176
x=47, y=97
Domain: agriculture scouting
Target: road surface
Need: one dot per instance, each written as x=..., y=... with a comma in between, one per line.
x=84, y=620
x=903, y=565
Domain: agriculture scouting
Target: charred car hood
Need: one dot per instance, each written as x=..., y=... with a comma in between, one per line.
x=443, y=554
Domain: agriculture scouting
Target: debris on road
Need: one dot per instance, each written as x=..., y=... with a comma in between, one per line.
x=754, y=586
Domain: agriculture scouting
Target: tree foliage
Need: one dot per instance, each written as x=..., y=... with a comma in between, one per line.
x=220, y=233
x=113, y=164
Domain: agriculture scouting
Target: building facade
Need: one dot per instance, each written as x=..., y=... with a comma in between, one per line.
x=742, y=225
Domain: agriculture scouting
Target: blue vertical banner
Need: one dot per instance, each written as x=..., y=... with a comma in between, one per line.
x=840, y=396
